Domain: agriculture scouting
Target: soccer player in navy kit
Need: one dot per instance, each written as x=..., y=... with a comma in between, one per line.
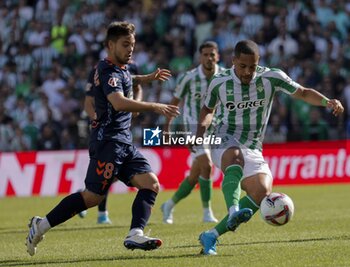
x=111, y=150
x=89, y=107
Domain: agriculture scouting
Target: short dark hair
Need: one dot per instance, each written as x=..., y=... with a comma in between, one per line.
x=247, y=47
x=117, y=29
x=208, y=44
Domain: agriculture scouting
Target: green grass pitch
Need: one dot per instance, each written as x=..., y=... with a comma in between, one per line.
x=318, y=235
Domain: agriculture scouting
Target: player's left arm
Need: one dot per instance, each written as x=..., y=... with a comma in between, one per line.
x=89, y=107
x=315, y=98
x=158, y=74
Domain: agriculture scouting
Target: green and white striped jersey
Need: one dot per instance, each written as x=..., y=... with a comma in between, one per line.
x=192, y=88
x=245, y=109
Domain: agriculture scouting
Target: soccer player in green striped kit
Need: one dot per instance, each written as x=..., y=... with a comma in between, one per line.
x=191, y=89
x=244, y=94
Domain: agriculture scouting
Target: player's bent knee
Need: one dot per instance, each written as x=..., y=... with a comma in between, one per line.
x=146, y=181
x=91, y=199
x=193, y=179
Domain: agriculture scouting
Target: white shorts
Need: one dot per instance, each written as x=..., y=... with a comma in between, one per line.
x=200, y=150
x=191, y=128
x=253, y=159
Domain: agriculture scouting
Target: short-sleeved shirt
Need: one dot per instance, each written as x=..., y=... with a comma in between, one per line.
x=192, y=88
x=89, y=87
x=245, y=108
x=113, y=125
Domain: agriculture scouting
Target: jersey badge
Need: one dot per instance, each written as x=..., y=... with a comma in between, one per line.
x=113, y=81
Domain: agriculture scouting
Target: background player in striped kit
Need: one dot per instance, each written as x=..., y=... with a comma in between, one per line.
x=191, y=90
x=244, y=95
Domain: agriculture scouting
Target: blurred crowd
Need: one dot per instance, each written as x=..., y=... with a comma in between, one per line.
x=48, y=47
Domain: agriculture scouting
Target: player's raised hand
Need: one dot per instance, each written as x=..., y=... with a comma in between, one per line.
x=161, y=74
x=167, y=110
x=336, y=105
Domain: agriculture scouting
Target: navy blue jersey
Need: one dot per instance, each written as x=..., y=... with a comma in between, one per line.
x=89, y=88
x=112, y=124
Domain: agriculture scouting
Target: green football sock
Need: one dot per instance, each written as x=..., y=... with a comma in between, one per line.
x=245, y=202
x=231, y=186
x=221, y=227
x=248, y=202
x=183, y=191
x=206, y=189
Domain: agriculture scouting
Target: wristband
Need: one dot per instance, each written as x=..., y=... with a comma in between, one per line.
x=324, y=102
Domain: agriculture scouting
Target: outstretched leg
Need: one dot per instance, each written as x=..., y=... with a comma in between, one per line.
x=66, y=209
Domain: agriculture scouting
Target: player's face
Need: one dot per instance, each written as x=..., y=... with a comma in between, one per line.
x=245, y=66
x=208, y=58
x=122, y=49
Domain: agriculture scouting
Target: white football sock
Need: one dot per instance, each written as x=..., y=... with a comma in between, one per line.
x=233, y=209
x=171, y=203
x=44, y=226
x=214, y=232
x=102, y=213
x=135, y=231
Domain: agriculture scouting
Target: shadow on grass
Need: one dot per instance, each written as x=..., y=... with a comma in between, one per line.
x=320, y=239
x=102, y=259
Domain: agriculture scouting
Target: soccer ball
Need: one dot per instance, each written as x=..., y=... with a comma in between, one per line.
x=277, y=209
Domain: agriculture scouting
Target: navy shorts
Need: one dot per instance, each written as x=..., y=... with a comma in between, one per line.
x=110, y=160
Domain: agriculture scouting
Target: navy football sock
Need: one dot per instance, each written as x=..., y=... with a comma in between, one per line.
x=103, y=205
x=66, y=209
x=141, y=208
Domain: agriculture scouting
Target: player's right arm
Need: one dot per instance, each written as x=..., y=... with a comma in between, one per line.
x=122, y=103
x=89, y=101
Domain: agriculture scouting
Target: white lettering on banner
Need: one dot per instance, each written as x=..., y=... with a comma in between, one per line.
x=77, y=174
x=340, y=162
x=21, y=179
x=327, y=164
x=310, y=166
x=293, y=172
x=309, y=169
x=53, y=162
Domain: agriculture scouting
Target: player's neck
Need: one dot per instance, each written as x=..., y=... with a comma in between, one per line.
x=208, y=73
x=115, y=62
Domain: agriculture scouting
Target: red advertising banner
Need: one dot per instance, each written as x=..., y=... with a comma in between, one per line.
x=61, y=172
